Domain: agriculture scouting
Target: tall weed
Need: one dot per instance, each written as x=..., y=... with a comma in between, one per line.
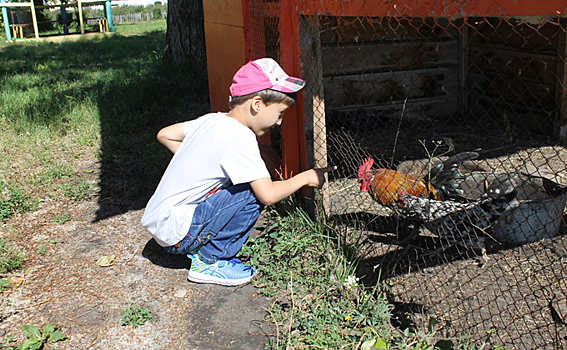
x=319, y=300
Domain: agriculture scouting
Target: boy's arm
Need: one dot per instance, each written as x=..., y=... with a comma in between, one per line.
x=270, y=192
x=171, y=136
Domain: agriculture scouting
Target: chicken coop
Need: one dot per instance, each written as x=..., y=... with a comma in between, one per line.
x=412, y=85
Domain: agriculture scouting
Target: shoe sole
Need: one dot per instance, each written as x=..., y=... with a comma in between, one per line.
x=203, y=278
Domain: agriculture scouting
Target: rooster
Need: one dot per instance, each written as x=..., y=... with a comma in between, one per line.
x=387, y=187
x=467, y=223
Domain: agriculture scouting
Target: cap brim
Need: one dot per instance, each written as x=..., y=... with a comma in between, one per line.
x=290, y=85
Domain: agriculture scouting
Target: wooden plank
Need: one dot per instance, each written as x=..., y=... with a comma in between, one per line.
x=225, y=55
x=314, y=99
x=522, y=120
x=34, y=20
x=426, y=8
x=81, y=24
x=419, y=108
x=515, y=34
x=6, y=21
x=531, y=94
x=349, y=59
x=391, y=86
x=515, y=63
x=522, y=92
x=15, y=4
x=83, y=2
x=464, y=51
x=366, y=29
x=228, y=12
x=560, y=122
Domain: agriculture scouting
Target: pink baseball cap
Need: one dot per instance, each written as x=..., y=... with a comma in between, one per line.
x=262, y=74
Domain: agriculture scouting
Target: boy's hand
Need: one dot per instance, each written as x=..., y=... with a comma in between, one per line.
x=270, y=192
x=318, y=178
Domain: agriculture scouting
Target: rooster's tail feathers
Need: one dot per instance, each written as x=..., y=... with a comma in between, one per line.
x=446, y=176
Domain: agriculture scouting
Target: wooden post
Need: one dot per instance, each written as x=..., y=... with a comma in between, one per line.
x=464, y=53
x=34, y=19
x=560, y=127
x=81, y=24
x=6, y=21
x=293, y=140
x=108, y=10
x=314, y=99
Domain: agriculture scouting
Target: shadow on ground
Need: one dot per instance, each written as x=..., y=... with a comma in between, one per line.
x=157, y=255
x=130, y=116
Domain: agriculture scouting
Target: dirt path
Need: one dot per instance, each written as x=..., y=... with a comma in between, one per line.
x=63, y=285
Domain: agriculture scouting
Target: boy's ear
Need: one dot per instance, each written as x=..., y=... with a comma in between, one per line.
x=256, y=103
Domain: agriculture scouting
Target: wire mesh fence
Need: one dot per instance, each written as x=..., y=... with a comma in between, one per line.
x=470, y=114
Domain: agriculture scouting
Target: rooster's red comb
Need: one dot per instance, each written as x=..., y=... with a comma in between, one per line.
x=365, y=167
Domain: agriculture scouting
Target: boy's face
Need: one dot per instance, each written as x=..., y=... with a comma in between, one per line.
x=267, y=117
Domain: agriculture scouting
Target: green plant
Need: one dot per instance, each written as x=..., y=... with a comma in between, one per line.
x=62, y=218
x=136, y=316
x=6, y=343
x=36, y=339
x=4, y=283
x=10, y=257
x=13, y=201
x=42, y=249
x=78, y=190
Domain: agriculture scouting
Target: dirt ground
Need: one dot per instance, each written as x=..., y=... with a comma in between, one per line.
x=62, y=284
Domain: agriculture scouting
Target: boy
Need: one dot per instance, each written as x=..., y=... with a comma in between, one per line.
x=216, y=184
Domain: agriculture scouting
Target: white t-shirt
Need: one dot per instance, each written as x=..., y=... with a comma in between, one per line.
x=217, y=151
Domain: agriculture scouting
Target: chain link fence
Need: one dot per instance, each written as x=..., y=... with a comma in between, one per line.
x=410, y=92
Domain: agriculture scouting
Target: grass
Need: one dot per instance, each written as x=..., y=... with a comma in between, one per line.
x=13, y=201
x=11, y=258
x=90, y=101
x=62, y=218
x=140, y=27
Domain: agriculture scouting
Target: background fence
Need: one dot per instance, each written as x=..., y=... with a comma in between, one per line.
x=409, y=91
x=136, y=17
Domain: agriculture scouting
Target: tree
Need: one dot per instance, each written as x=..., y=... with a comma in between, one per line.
x=185, y=39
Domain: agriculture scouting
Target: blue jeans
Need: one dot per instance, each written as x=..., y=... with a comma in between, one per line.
x=221, y=224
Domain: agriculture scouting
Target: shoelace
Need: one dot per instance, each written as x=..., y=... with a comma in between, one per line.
x=234, y=262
